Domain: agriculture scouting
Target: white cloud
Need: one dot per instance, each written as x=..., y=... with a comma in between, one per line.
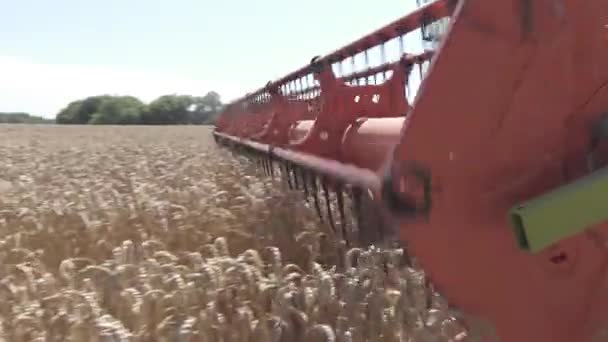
x=43, y=89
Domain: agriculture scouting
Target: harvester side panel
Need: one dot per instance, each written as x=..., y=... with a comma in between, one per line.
x=511, y=131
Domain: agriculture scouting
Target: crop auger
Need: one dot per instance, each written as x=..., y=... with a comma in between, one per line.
x=494, y=175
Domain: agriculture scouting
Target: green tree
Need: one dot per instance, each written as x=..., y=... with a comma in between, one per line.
x=125, y=110
x=69, y=115
x=167, y=110
x=90, y=106
x=118, y=110
x=81, y=111
x=213, y=99
x=206, y=108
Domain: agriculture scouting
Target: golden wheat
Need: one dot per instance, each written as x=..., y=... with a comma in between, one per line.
x=155, y=234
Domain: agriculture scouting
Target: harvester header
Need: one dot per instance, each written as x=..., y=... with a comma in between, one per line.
x=491, y=172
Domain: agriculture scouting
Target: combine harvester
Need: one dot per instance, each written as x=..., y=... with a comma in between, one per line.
x=493, y=175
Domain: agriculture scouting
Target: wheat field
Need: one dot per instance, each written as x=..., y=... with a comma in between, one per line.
x=156, y=234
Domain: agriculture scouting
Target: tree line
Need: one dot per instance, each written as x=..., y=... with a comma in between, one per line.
x=23, y=118
x=129, y=110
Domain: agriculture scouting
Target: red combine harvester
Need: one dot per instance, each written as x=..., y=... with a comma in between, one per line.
x=493, y=176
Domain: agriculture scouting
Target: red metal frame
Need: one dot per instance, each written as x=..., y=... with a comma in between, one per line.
x=336, y=103
x=503, y=114
x=519, y=126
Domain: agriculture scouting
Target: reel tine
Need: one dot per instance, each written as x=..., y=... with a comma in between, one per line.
x=256, y=161
x=288, y=168
x=304, y=176
x=340, y=199
x=328, y=204
x=265, y=164
x=282, y=172
x=295, y=177
x=268, y=164
x=315, y=192
x=356, y=198
x=262, y=162
x=271, y=166
x=285, y=174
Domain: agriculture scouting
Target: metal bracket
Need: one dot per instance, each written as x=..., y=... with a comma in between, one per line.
x=567, y=210
x=401, y=203
x=562, y=212
x=316, y=66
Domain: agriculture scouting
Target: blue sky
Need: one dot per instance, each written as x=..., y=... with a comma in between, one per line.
x=53, y=52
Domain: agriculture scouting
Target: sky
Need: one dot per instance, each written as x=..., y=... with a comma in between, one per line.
x=55, y=51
